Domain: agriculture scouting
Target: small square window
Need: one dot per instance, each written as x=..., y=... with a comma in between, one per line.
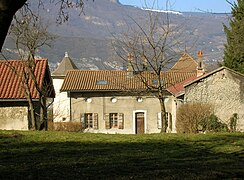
x=102, y=82
x=155, y=82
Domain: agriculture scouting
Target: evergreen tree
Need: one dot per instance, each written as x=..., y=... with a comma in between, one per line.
x=234, y=49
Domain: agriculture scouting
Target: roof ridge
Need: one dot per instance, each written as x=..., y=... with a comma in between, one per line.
x=212, y=72
x=42, y=59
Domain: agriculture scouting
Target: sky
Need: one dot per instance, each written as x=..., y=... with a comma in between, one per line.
x=213, y=6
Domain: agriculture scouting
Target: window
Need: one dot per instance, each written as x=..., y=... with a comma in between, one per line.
x=168, y=122
x=114, y=120
x=89, y=120
x=155, y=82
x=101, y=82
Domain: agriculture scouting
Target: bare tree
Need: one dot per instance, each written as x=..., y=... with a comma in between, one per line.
x=30, y=34
x=151, y=48
x=8, y=8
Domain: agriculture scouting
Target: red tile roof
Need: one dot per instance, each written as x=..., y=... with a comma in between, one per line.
x=86, y=80
x=12, y=80
x=178, y=89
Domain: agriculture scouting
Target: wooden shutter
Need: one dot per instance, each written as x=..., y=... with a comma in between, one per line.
x=82, y=120
x=95, y=121
x=107, y=121
x=121, y=120
x=159, y=120
x=167, y=119
x=170, y=121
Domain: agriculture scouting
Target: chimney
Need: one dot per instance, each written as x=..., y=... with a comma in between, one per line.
x=200, y=69
x=129, y=65
x=144, y=63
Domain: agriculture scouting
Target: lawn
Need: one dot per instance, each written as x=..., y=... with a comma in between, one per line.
x=63, y=155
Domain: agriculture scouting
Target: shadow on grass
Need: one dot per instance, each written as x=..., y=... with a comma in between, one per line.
x=204, y=158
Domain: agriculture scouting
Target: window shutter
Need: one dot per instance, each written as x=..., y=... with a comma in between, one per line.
x=82, y=120
x=95, y=121
x=170, y=121
x=159, y=120
x=121, y=120
x=107, y=121
x=167, y=119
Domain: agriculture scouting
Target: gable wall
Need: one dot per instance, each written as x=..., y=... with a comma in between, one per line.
x=14, y=118
x=224, y=90
x=61, y=104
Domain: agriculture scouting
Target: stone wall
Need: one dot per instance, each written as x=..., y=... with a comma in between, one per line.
x=14, y=118
x=223, y=90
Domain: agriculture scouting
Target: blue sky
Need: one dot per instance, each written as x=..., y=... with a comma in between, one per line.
x=215, y=6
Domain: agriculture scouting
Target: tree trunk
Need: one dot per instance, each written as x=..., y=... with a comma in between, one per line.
x=163, y=115
x=7, y=10
x=43, y=114
x=32, y=113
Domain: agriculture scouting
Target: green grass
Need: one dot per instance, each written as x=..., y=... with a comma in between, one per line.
x=63, y=155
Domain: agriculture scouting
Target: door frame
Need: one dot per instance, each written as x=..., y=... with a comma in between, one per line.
x=134, y=120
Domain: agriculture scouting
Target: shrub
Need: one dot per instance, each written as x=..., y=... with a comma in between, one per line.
x=65, y=126
x=193, y=117
x=198, y=117
x=233, y=122
x=214, y=124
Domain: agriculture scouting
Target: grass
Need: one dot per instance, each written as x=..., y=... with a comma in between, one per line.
x=59, y=155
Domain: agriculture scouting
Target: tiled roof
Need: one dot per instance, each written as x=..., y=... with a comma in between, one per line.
x=112, y=80
x=65, y=65
x=185, y=63
x=12, y=79
x=178, y=89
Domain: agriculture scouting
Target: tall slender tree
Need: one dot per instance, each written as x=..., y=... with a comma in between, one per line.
x=151, y=48
x=234, y=49
x=30, y=34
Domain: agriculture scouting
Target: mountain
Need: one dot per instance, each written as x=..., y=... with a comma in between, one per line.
x=87, y=36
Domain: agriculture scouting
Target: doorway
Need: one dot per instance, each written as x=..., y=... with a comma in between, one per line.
x=140, y=121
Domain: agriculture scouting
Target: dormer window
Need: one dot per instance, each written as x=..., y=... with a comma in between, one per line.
x=155, y=82
x=101, y=82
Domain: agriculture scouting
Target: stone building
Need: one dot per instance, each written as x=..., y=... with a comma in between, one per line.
x=224, y=89
x=107, y=101
x=14, y=107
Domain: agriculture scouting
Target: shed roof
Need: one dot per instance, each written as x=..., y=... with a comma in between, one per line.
x=178, y=89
